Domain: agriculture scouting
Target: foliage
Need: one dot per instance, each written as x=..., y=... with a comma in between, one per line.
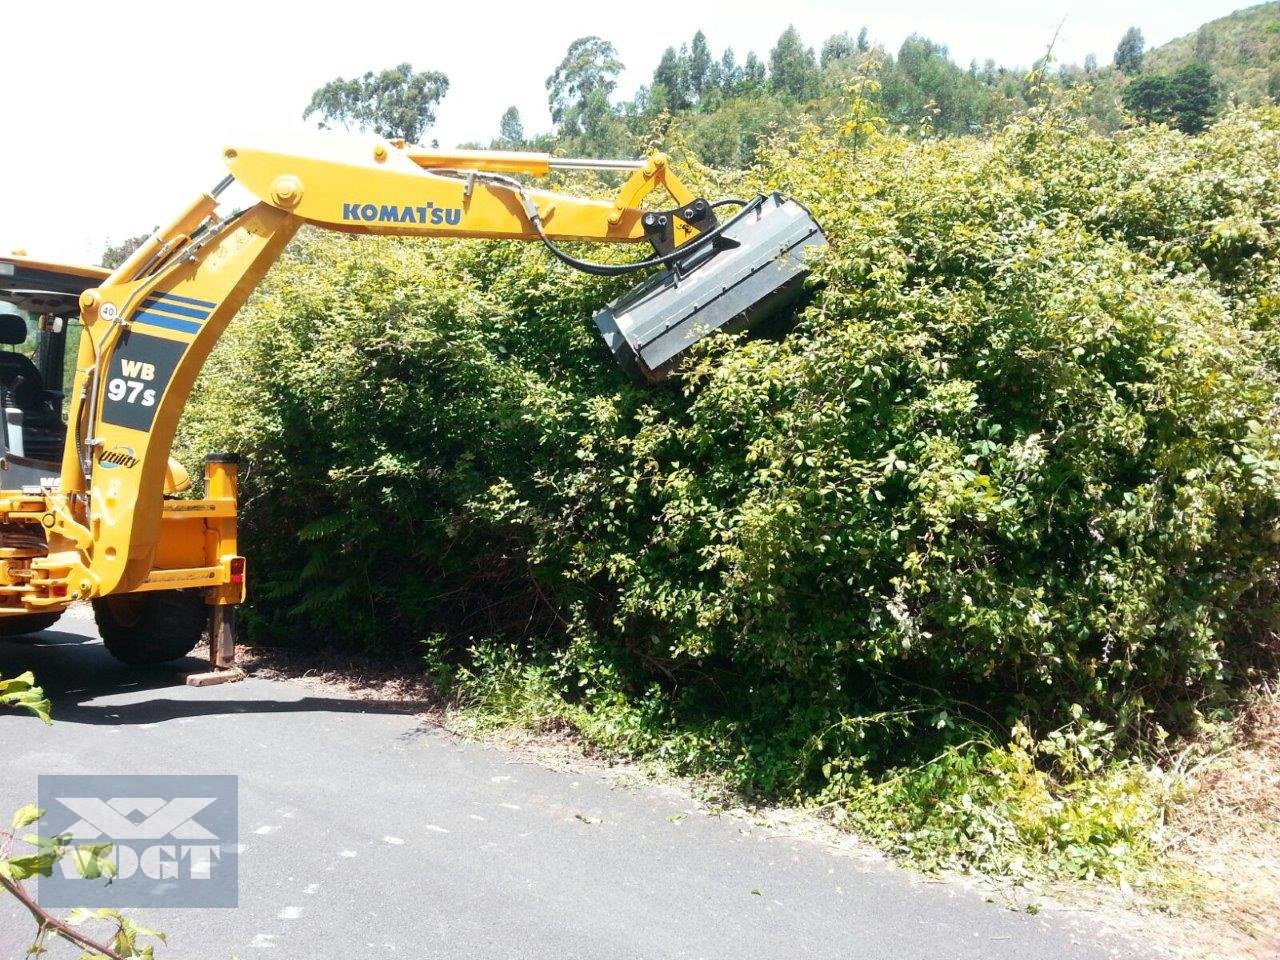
x=1186, y=99
x=511, y=130
x=92, y=861
x=672, y=76
x=720, y=108
x=117, y=253
x=1130, y=51
x=21, y=691
x=578, y=90
x=1241, y=49
x=982, y=805
x=841, y=46
x=793, y=69
x=1014, y=467
x=397, y=103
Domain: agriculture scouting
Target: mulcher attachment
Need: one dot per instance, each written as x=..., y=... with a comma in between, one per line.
x=750, y=272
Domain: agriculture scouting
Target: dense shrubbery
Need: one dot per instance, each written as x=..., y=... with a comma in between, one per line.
x=1015, y=466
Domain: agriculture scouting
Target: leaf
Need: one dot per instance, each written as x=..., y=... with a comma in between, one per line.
x=26, y=815
x=36, y=864
x=21, y=691
x=92, y=860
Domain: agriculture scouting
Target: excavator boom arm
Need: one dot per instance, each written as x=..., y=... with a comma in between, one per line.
x=150, y=327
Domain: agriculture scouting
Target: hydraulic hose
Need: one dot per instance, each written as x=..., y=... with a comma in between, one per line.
x=611, y=269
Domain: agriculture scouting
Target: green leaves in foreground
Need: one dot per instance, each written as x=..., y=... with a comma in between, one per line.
x=21, y=691
x=92, y=861
x=124, y=939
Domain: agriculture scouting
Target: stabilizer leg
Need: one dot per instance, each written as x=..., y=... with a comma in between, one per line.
x=222, y=649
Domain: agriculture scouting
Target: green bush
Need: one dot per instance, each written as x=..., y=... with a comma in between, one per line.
x=1016, y=463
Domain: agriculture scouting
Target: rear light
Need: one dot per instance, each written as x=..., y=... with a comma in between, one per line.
x=58, y=590
x=237, y=569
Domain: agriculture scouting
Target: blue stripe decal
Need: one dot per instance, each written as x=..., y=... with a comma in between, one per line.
x=180, y=299
x=176, y=310
x=169, y=323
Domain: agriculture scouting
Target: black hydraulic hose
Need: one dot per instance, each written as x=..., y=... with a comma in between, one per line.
x=620, y=269
x=605, y=269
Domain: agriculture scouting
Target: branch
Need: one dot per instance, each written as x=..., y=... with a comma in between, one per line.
x=49, y=922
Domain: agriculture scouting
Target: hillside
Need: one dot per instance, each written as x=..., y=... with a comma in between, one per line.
x=1242, y=49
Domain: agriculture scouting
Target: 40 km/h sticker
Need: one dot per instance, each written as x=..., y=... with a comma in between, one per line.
x=141, y=369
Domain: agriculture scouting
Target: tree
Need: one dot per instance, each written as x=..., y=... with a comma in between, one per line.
x=1196, y=97
x=793, y=69
x=1129, y=53
x=753, y=73
x=1150, y=98
x=1186, y=99
x=839, y=46
x=510, y=129
x=1206, y=45
x=699, y=64
x=396, y=103
x=730, y=73
x=1091, y=63
x=863, y=43
x=672, y=74
x=582, y=82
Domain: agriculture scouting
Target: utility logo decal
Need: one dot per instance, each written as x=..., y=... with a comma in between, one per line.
x=141, y=368
x=117, y=457
x=430, y=215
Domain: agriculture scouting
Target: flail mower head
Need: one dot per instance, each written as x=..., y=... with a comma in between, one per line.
x=748, y=271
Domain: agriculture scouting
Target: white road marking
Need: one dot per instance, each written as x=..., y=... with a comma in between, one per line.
x=434, y=829
x=289, y=913
x=265, y=829
x=390, y=839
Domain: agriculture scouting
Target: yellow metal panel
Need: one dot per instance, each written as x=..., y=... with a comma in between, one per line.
x=348, y=189
x=197, y=300
x=496, y=161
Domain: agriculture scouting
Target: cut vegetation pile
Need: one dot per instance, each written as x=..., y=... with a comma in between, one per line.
x=957, y=558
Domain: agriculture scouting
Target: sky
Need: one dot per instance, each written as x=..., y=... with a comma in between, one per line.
x=114, y=114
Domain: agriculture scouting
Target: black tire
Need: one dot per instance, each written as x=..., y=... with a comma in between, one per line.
x=146, y=628
x=27, y=623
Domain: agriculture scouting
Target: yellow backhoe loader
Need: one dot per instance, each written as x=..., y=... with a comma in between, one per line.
x=89, y=505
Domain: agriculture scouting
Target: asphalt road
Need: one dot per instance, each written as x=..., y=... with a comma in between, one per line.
x=365, y=831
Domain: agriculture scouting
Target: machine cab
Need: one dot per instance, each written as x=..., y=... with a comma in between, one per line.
x=39, y=326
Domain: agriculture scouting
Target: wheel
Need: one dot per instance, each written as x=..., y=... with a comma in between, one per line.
x=27, y=623
x=143, y=628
